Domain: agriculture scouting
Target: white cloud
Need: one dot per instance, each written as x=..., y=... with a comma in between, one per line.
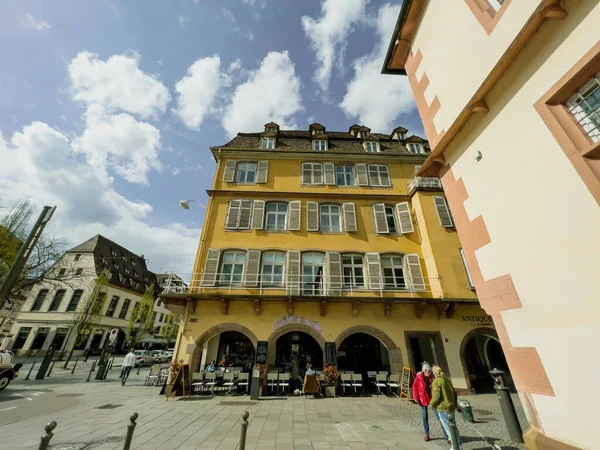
x=198, y=89
x=117, y=84
x=183, y=20
x=40, y=162
x=160, y=63
x=30, y=23
x=119, y=142
x=272, y=92
x=255, y=6
x=175, y=171
x=230, y=17
x=329, y=33
x=371, y=98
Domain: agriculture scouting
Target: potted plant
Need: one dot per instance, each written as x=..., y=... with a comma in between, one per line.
x=331, y=377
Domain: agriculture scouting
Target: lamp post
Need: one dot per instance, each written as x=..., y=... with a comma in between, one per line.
x=185, y=204
x=133, y=332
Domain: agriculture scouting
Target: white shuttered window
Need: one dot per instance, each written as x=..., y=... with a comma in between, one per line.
x=329, y=169
x=362, y=178
x=404, y=218
x=229, y=172
x=263, y=172
x=380, y=217
x=443, y=212
x=293, y=281
x=209, y=277
x=312, y=216
x=295, y=215
x=312, y=173
x=379, y=175
x=252, y=267
x=415, y=273
x=349, y=213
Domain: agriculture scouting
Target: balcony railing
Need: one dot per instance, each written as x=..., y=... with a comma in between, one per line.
x=424, y=182
x=307, y=286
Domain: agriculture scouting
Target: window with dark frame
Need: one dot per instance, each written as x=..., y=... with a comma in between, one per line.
x=112, y=306
x=75, y=300
x=124, y=308
x=57, y=300
x=21, y=338
x=39, y=300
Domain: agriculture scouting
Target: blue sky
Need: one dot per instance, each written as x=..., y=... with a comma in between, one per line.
x=108, y=108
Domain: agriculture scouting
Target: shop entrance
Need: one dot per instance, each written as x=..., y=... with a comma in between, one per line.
x=481, y=353
x=426, y=347
x=230, y=349
x=303, y=345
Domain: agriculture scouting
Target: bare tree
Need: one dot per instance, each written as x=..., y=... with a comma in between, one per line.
x=89, y=311
x=169, y=331
x=142, y=313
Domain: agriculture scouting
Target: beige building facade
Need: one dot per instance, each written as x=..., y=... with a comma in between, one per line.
x=509, y=94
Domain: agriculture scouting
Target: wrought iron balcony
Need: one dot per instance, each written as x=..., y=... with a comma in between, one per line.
x=424, y=183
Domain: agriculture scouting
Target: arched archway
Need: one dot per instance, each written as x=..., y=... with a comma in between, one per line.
x=213, y=331
x=395, y=355
x=290, y=328
x=480, y=351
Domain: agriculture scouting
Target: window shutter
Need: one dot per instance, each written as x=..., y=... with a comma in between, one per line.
x=443, y=212
x=229, y=172
x=318, y=173
x=349, y=216
x=258, y=214
x=209, y=277
x=384, y=176
x=381, y=225
x=263, y=172
x=233, y=214
x=245, y=215
x=293, y=272
x=373, y=271
x=404, y=218
x=329, y=169
x=294, y=215
x=361, y=175
x=415, y=274
x=312, y=216
x=334, y=273
x=306, y=173
x=252, y=267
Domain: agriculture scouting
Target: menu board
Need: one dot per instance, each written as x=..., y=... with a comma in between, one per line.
x=182, y=384
x=186, y=382
x=261, y=352
x=330, y=356
x=405, y=383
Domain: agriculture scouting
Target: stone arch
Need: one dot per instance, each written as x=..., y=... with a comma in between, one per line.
x=396, y=360
x=485, y=331
x=208, y=334
x=285, y=329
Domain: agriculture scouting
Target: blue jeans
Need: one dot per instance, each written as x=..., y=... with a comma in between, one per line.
x=126, y=370
x=424, y=412
x=443, y=416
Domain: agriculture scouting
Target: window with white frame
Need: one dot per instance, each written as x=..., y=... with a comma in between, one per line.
x=272, y=268
x=276, y=216
x=312, y=173
x=415, y=148
x=496, y=4
x=331, y=219
x=371, y=147
x=246, y=172
x=393, y=272
x=353, y=271
x=585, y=107
x=390, y=217
x=232, y=267
x=344, y=175
x=379, y=175
x=319, y=145
x=312, y=273
x=267, y=143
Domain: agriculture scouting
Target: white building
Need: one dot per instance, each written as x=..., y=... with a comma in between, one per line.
x=46, y=316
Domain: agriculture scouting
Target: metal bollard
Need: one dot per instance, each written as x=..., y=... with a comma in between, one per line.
x=507, y=406
x=453, y=431
x=45, y=440
x=244, y=431
x=30, y=370
x=112, y=361
x=466, y=410
x=139, y=367
x=76, y=361
x=130, y=428
x=51, y=367
x=91, y=370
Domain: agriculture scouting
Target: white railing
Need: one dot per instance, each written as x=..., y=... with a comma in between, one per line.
x=175, y=285
x=424, y=182
x=305, y=286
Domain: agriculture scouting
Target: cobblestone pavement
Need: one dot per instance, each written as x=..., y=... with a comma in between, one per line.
x=488, y=417
x=214, y=423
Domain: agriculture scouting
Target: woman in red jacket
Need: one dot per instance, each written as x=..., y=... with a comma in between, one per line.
x=422, y=395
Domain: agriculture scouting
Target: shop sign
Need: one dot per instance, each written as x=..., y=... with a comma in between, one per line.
x=479, y=320
x=293, y=319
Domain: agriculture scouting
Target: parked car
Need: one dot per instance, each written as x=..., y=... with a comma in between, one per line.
x=8, y=370
x=170, y=352
x=143, y=358
x=160, y=356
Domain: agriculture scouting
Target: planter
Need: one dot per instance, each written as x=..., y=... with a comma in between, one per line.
x=330, y=391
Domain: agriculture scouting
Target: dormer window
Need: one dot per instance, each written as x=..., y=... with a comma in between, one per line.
x=133, y=263
x=120, y=278
x=124, y=259
x=127, y=271
x=267, y=143
x=371, y=147
x=320, y=145
x=401, y=137
x=114, y=253
x=416, y=148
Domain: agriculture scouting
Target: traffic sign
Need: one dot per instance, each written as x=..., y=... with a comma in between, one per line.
x=113, y=335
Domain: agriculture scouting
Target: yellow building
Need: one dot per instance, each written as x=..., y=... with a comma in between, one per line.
x=509, y=95
x=325, y=244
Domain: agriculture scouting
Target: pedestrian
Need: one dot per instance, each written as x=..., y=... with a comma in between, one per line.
x=422, y=395
x=211, y=367
x=88, y=352
x=295, y=373
x=128, y=364
x=309, y=369
x=444, y=398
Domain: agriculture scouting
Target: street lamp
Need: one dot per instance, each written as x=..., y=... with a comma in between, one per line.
x=185, y=204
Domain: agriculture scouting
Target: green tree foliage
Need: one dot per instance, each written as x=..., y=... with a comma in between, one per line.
x=169, y=331
x=143, y=311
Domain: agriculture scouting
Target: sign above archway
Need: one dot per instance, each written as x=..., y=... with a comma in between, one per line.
x=289, y=320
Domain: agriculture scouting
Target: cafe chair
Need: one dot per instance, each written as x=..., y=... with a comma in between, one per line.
x=210, y=381
x=152, y=378
x=284, y=383
x=346, y=382
x=357, y=383
x=381, y=381
x=272, y=381
x=394, y=383
x=197, y=382
x=243, y=382
x=229, y=383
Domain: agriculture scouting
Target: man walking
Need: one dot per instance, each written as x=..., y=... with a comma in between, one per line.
x=128, y=364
